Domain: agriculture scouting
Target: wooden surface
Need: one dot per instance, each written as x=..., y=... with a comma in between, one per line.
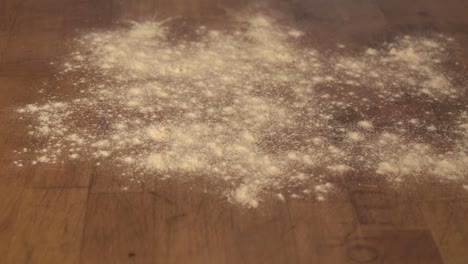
x=78, y=213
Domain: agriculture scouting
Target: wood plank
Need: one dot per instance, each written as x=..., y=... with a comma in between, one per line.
x=322, y=230
x=49, y=226
x=192, y=224
x=264, y=235
x=393, y=246
x=69, y=175
x=448, y=223
x=12, y=177
x=11, y=192
x=119, y=228
x=189, y=224
x=108, y=178
x=379, y=206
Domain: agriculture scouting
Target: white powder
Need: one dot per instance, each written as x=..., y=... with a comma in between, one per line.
x=386, y=168
x=365, y=124
x=282, y=198
x=249, y=108
x=400, y=157
x=355, y=136
x=246, y=195
x=340, y=168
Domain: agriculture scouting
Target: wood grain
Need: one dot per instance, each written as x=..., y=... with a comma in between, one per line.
x=119, y=228
x=48, y=226
x=83, y=213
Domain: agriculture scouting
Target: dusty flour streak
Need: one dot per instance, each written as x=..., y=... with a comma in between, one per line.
x=249, y=108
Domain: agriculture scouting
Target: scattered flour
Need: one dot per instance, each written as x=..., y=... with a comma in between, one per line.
x=246, y=195
x=365, y=124
x=249, y=108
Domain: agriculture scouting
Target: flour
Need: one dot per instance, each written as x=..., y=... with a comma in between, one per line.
x=365, y=124
x=355, y=136
x=246, y=195
x=249, y=109
x=399, y=156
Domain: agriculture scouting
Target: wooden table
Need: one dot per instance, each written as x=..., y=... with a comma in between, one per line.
x=78, y=213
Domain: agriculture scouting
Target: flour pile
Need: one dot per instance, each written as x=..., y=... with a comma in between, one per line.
x=252, y=109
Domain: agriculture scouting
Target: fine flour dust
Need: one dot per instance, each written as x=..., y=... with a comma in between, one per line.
x=254, y=109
